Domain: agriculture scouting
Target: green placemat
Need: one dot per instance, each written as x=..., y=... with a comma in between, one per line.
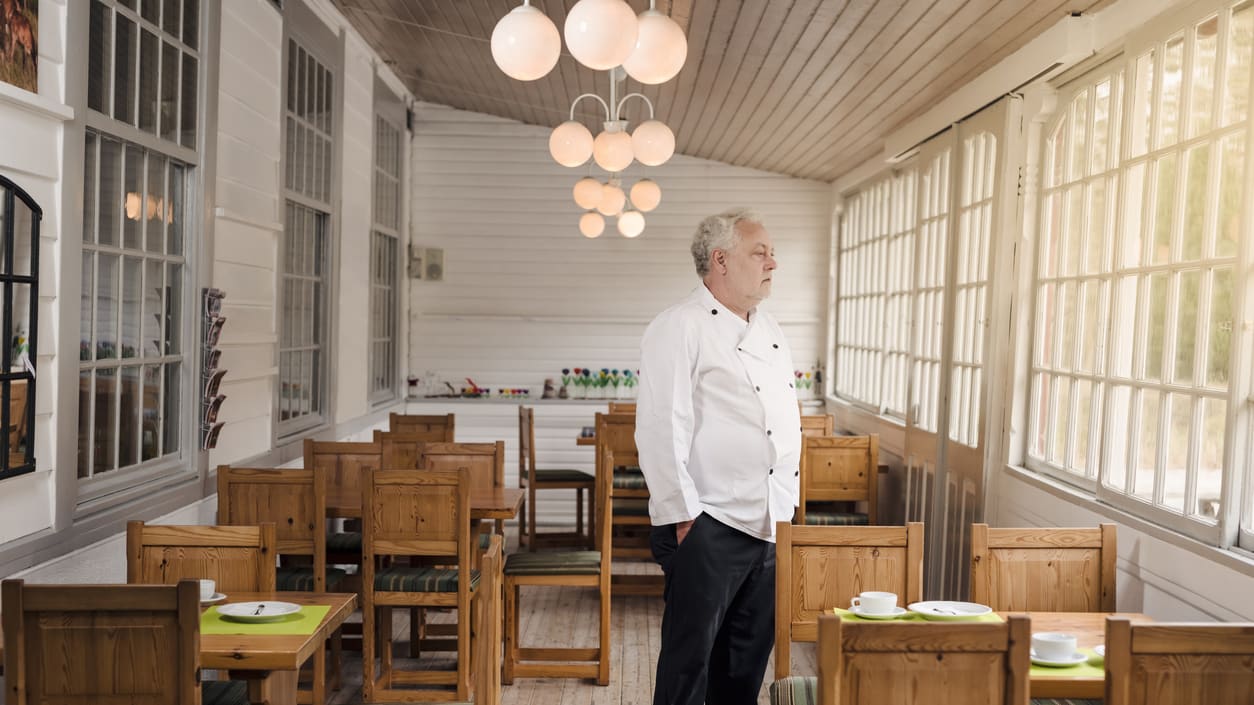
x=302, y=623
x=916, y=617
x=1093, y=668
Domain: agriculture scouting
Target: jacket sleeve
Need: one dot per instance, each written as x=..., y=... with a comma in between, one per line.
x=664, y=419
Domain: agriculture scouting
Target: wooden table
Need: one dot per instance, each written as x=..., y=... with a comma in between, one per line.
x=272, y=663
x=1090, y=630
x=493, y=503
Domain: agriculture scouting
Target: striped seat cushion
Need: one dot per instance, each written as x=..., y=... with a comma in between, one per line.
x=626, y=480
x=224, y=693
x=301, y=578
x=628, y=468
x=554, y=563
x=631, y=507
x=795, y=690
x=344, y=542
x=563, y=475
x=835, y=519
x=404, y=578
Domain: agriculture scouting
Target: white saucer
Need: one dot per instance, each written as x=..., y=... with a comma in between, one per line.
x=897, y=612
x=267, y=611
x=1076, y=659
x=949, y=611
x=1100, y=650
x=217, y=597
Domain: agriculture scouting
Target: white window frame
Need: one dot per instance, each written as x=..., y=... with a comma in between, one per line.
x=383, y=354
x=1233, y=525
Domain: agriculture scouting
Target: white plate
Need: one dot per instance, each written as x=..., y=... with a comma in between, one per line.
x=217, y=597
x=897, y=612
x=257, y=611
x=1099, y=653
x=1076, y=659
x=946, y=611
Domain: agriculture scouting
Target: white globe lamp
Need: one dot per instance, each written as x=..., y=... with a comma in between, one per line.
x=588, y=192
x=660, y=51
x=526, y=43
x=570, y=143
x=631, y=224
x=652, y=143
x=601, y=34
x=612, y=149
x=645, y=195
x=591, y=224
x=612, y=200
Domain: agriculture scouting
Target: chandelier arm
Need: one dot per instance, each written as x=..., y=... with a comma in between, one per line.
x=641, y=96
x=589, y=95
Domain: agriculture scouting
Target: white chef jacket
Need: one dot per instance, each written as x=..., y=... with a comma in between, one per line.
x=717, y=424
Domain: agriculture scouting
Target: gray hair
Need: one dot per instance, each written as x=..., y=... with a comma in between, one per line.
x=718, y=232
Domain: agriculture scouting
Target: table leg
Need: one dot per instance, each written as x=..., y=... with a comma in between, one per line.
x=269, y=687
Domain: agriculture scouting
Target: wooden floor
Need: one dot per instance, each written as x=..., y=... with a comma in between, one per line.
x=568, y=617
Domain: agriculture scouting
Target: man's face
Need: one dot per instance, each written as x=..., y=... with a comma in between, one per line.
x=750, y=263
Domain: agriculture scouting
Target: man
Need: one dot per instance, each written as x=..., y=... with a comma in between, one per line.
x=719, y=436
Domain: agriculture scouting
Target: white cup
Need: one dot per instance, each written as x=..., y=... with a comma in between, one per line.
x=206, y=589
x=875, y=602
x=1053, y=646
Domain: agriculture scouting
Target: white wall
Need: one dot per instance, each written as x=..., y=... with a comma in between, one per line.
x=524, y=294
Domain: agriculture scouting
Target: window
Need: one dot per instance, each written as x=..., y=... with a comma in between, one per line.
x=873, y=301
x=19, y=287
x=1138, y=276
x=305, y=264
x=384, y=246
x=140, y=155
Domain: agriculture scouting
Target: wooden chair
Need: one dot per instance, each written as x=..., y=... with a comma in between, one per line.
x=622, y=407
x=821, y=567
x=401, y=450
x=432, y=427
x=818, y=426
x=1178, y=664
x=343, y=463
x=489, y=638
x=555, y=569
x=238, y=558
x=485, y=461
x=295, y=501
x=415, y=513
x=136, y=644
x=903, y=663
x=1045, y=570
x=537, y=479
x=838, y=469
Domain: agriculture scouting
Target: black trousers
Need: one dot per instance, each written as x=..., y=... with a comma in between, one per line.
x=718, y=625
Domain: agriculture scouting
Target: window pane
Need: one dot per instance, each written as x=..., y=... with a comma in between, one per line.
x=85, y=306
x=1095, y=260
x=99, y=70
x=104, y=450
x=1123, y=336
x=84, y=424
x=1202, y=99
x=128, y=430
x=187, y=123
x=106, y=307
x=155, y=204
x=124, y=70
x=1173, y=74
x=1219, y=345
x=169, y=91
x=1062, y=420
x=170, y=17
x=1051, y=234
x=1120, y=427
x=1091, y=342
x=1156, y=319
x=1237, y=85
x=170, y=422
x=1046, y=325
x=1083, y=417
x=1079, y=136
x=89, y=188
x=191, y=22
x=150, y=430
x=1164, y=208
x=1186, y=325
x=174, y=212
x=1147, y=455
x=1041, y=394
x=1073, y=239
x=1231, y=188
x=1099, y=152
x=150, y=10
x=1067, y=325
x=1130, y=251
x=112, y=196
x=154, y=308
x=174, y=309
x=1211, y=461
x=1142, y=119
x=1196, y=198
x=132, y=278
x=149, y=46
x=134, y=185
x=1176, y=476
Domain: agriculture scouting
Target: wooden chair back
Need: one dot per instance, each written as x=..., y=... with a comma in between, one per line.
x=821, y=567
x=1178, y=664
x=616, y=442
x=401, y=450
x=423, y=513
x=437, y=428
x=941, y=663
x=526, y=445
x=343, y=463
x=1044, y=570
x=840, y=468
x=485, y=461
x=238, y=558
x=135, y=644
x=622, y=407
x=818, y=425
x=294, y=500
x=491, y=606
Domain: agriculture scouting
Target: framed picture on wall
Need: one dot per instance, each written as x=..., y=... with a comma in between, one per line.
x=19, y=43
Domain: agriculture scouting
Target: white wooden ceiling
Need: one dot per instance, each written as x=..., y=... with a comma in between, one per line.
x=808, y=88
